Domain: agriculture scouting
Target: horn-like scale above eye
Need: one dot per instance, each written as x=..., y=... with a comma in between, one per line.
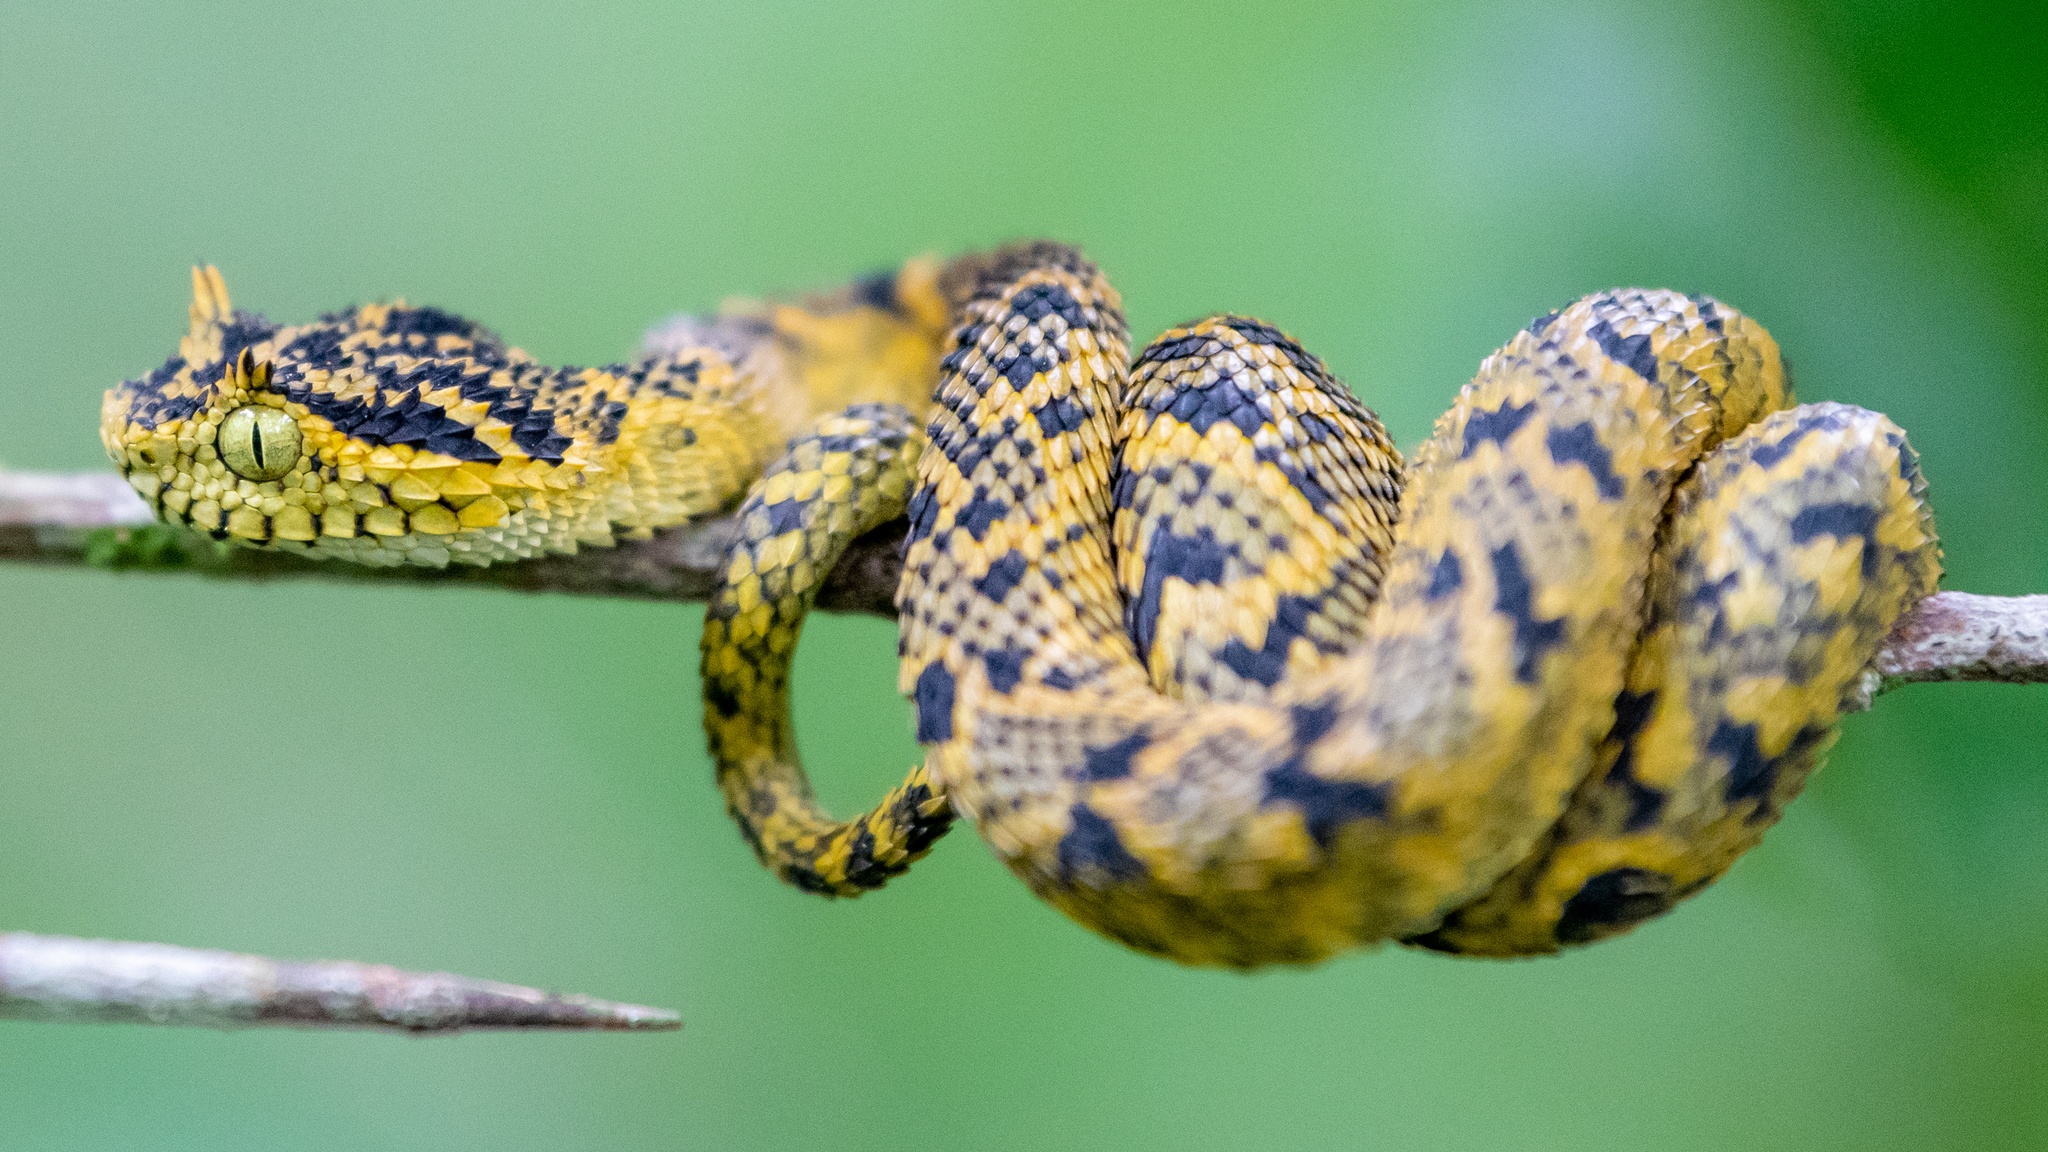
x=259, y=443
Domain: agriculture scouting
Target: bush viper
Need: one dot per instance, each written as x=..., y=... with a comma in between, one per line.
x=1204, y=662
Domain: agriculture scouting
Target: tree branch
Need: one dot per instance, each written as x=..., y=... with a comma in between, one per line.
x=93, y=519
x=109, y=981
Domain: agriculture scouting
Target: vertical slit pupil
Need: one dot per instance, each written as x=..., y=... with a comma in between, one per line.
x=256, y=443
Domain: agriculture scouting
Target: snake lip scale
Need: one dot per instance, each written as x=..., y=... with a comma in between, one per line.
x=1206, y=664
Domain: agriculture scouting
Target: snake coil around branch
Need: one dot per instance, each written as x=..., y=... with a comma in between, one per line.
x=1139, y=609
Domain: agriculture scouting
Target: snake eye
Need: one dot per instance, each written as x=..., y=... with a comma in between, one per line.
x=259, y=443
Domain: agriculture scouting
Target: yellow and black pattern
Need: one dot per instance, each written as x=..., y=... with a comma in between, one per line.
x=848, y=476
x=1203, y=662
x=389, y=434
x=1791, y=549
x=1254, y=502
x=1382, y=796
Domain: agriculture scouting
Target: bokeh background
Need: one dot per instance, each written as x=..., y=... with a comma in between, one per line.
x=516, y=787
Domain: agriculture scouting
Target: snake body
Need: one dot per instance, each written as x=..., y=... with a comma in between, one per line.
x=1205, y=665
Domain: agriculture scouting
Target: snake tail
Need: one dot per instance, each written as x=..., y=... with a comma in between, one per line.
x=850, y=475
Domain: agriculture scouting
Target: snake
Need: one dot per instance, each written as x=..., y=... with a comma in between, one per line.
x=1206, y=663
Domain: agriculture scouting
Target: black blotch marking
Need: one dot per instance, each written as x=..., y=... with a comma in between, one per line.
x=1259, y=332
x=1496, y=425
x=1542, y=323
x=923, y=515
x=318, y=347
x=1632, y=710
x=1018, y=370
x=1041, y=300
x=1113, y=761
x=1316, y=428
x=1221, y=402
x=1841, y=521
x=243, y=330
x=1710, y=312
x=1633, y=352
x=1768, y=455
x=784, y=516
x=1613, y=900
x=799, y=876
x=1005, y=667
x=981, y=512
x=1002, y=576
x=1749, y=774
x=1909, y=463
x=1799, y=755
x=1059, y=414
x=1312, y=722
x=1580, y=444
x=151, y=408
x=919, y=829
x=1821, y=420
x=861, y=869
x=1513, y=594
x=1265, y=664
x=1326, y=805
x=934, y=697
x=1165, y=351
x=1092, y=844
x=1123, y=487
x=430, y=322
x=1844, y=522
x=720, y=697
x=748, y=831
x=1197, y=559
x=406, y=420
x=875, y=290
x=1291, y=615
x=1060, y=679
x=609, y=417
x=1446, y=576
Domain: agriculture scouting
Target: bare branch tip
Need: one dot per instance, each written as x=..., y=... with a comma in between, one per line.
x=62, y=978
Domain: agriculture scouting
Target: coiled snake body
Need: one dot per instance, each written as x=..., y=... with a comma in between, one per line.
x=1205, y=665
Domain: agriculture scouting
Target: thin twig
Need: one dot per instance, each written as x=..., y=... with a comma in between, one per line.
x=62, y=978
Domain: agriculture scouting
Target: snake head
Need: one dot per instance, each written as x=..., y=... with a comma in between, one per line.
x=206, y=438
x=384, y=434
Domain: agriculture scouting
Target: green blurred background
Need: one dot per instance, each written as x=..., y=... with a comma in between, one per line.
x=516, y=787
